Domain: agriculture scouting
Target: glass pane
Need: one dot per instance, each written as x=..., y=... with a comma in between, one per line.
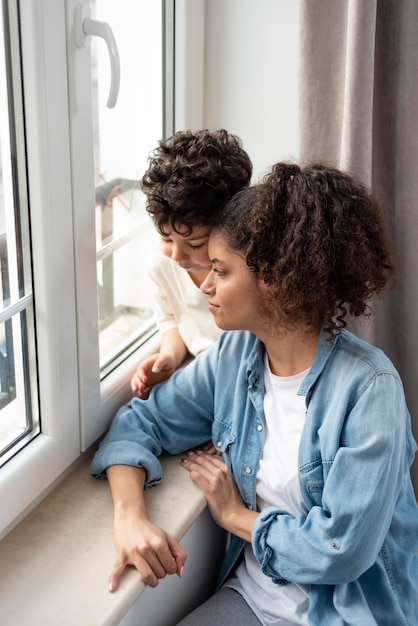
x=19, y=416
x=123, y=138
x=122, y=275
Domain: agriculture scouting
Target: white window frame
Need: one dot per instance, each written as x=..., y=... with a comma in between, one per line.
x=69, y=385
x=26, y=476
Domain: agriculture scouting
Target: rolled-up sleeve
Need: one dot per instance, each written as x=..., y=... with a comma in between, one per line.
x=126, y=443
x=177, y=416
x=339, y=539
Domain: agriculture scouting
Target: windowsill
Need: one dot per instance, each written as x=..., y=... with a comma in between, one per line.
x=55, y=564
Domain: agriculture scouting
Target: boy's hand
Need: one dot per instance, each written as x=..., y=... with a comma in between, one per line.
x=153, y=370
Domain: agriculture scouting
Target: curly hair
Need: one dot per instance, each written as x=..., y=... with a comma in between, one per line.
x=192, y=175
x=316, y=237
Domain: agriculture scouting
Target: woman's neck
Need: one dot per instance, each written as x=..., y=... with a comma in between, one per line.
x=292, y=352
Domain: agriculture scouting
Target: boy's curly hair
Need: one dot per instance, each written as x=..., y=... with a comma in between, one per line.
x=316, y=237
x=192, y=175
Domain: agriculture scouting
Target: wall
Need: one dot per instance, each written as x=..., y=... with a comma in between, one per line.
x=251, y=80
x=251, y=74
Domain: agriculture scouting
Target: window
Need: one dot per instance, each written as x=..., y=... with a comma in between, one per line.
x=109, y=206
x=123, y=137
x=19, y=414
x=74, y=230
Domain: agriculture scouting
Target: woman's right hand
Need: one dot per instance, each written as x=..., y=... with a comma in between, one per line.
x=153, y=370
x=153, y=552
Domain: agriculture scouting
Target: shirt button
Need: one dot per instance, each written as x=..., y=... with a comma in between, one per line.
x=259, y=428
x=219, y=444
x=248, y=470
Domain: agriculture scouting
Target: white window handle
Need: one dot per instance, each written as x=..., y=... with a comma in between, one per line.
x=85, y=27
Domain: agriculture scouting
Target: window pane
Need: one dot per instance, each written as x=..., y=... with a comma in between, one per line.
x=124, y=255
x=123, y=137
x=19, y=416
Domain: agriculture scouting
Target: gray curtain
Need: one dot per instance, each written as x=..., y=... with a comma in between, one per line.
x=359, y=111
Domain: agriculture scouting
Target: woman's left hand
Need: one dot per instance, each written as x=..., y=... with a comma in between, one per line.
x=210, y=473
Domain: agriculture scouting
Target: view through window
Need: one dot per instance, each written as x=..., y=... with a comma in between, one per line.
x=124, y=136
x=19, y=413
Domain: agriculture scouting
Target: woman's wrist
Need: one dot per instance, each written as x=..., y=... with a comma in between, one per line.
x=239, y=522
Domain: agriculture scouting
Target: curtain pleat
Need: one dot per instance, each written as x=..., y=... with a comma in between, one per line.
x=358, y=93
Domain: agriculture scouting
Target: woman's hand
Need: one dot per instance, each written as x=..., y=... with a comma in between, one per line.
x=152, y=551
x=209, y=447
x=211, y=474
x=154, y=369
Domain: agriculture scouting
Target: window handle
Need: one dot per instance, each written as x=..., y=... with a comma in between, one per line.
x=85, y=28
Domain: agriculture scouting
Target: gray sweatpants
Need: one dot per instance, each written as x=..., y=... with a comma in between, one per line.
x=226, y=606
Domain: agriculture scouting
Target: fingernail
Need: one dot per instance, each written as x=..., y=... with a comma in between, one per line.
x=181, y=572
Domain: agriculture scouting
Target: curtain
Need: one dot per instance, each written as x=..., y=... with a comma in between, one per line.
x=358, y=90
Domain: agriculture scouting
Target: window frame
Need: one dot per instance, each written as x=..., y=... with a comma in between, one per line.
x=65, y=387
x=47, y=147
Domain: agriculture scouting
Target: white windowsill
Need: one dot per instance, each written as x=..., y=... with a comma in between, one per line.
x=55, y=564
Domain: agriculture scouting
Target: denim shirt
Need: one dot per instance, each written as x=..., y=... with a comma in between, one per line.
x=358, y=545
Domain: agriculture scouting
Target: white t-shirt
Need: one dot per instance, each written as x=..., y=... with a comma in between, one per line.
x=178, y=303
x=277, y=485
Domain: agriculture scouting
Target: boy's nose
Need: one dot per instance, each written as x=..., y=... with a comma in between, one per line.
x=177, y=253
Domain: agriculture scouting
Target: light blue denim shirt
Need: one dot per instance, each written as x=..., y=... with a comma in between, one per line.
x=358, y=545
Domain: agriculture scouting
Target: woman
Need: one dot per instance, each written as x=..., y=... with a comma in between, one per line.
x=314, y=484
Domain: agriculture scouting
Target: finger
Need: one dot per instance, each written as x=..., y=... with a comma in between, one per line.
x=160, y=558
x=159, y=365
x=207, y=472
x=200, y=474
x=209, y=448
x=178, y=554
x=115, y=575
x=136, y=382
x=206, y=459
x=145, y=571
x=150, y=569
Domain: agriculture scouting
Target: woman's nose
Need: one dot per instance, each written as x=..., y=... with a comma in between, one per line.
x=207, y=285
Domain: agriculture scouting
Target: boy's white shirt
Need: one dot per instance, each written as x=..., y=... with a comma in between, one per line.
x=178, y=303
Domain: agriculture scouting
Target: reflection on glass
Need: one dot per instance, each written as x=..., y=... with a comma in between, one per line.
x=123, y=138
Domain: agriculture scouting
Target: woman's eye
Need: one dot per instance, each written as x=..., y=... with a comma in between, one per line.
x=196, y=247
x=218, y=272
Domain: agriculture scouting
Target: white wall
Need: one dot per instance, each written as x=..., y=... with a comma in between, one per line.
x=251, y=67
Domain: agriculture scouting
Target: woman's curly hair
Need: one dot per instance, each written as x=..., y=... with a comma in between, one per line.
x=316, y=237
x=192, y=175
